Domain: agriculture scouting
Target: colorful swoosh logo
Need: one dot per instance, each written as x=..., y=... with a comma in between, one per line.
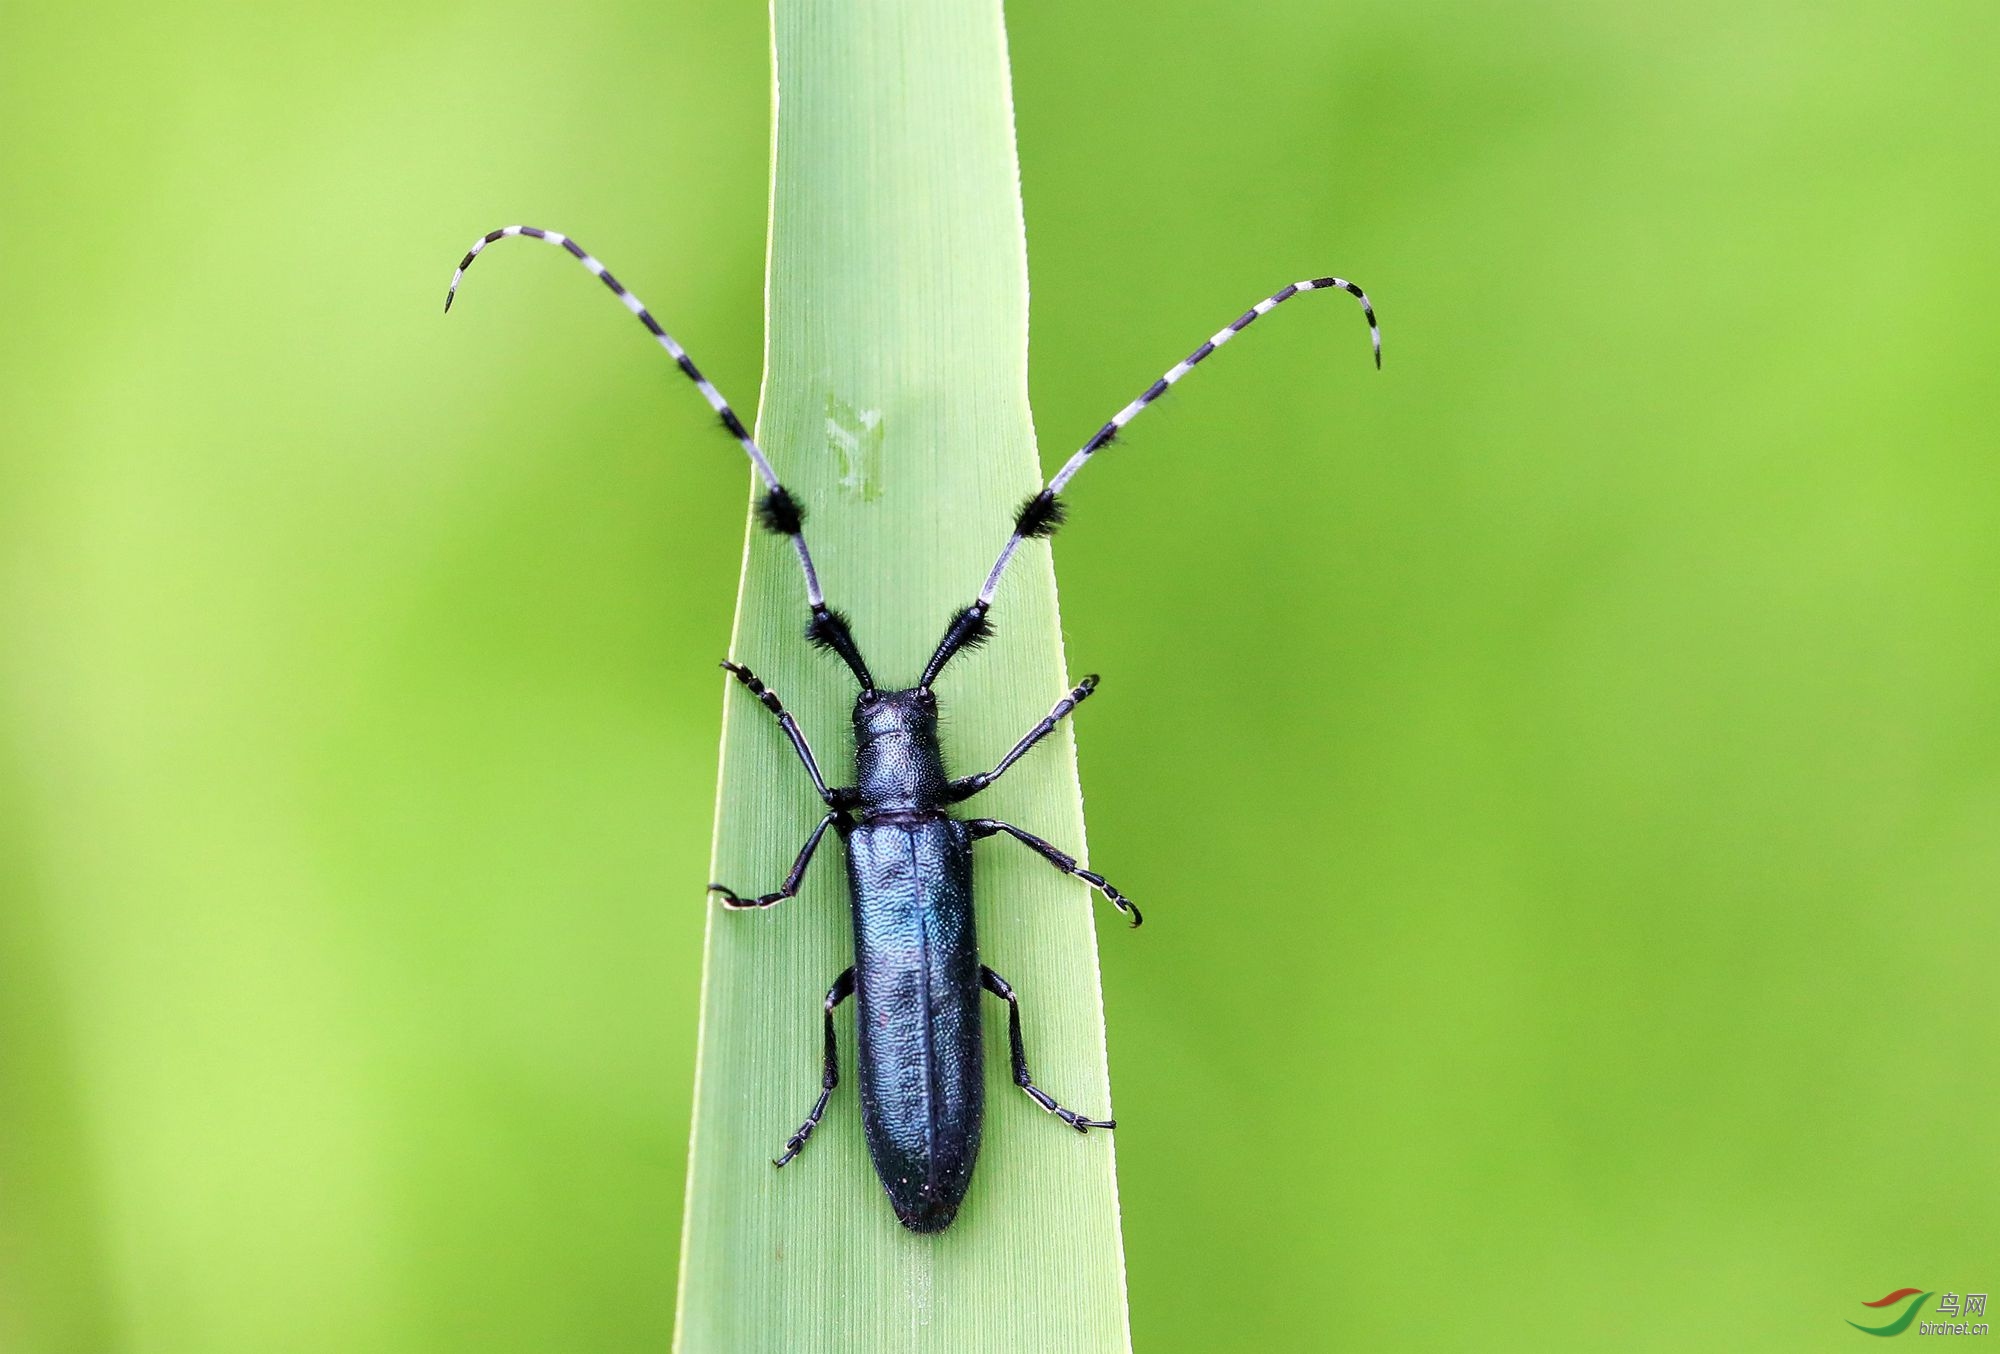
x=1901, y=1323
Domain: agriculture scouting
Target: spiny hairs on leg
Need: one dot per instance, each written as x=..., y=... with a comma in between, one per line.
x=1043, y=513
x=777, y=510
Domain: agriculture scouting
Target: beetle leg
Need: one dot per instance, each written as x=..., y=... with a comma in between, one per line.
x=1062, y=860
x=997, y=985
x=735, y=902
x=842, y=989
x=769, y=699
x=967, y=786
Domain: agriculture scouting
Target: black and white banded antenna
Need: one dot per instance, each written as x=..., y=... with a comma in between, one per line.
x=1041, y=514
x=777, y=510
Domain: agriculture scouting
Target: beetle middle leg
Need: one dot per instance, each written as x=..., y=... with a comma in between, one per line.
x=1062, y=860
x=998, y=986
x=842, y=989
x=967, y=786
x=790, y=889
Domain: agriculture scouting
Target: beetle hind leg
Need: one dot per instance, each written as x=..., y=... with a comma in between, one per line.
x=999, y=987
x=842, y=989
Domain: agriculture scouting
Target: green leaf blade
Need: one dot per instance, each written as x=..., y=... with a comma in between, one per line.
x=895, y=407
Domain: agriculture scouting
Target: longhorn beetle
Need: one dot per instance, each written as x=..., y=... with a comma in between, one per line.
x=916, y=974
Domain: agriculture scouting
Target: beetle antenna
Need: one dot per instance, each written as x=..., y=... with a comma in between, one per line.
x=777, y=510
x=1045, y=511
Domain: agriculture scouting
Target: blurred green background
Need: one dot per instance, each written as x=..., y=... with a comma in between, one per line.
x=1562, y=773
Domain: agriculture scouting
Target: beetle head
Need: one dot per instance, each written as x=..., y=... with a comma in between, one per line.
x=879, y=713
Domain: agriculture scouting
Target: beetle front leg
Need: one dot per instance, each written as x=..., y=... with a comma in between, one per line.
x=1062, y=860
x=838, y=799
x=842, y=989
x=967, y=786
x=735, y=902
x=997, y=985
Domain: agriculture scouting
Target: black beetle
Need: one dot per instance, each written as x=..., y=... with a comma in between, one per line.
x=916, y=976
